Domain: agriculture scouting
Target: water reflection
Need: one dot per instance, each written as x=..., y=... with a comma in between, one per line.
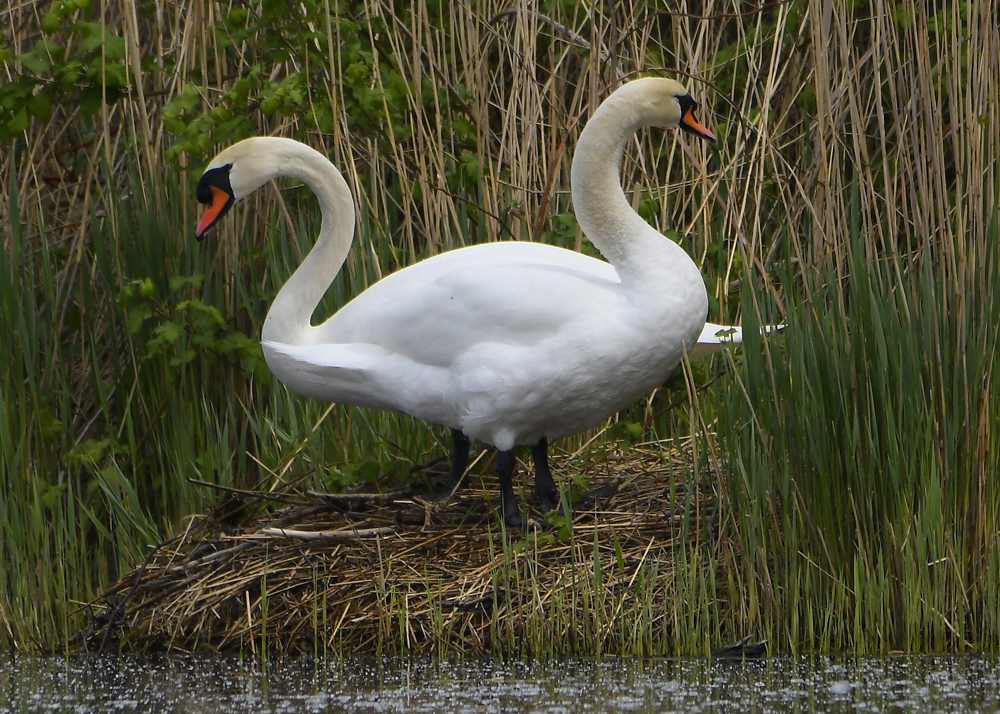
x=219, y=684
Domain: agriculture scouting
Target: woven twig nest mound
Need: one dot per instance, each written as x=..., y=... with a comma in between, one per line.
x=399, y=572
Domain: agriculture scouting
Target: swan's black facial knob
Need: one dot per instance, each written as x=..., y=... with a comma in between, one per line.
x=216, y=194
x=689, y=122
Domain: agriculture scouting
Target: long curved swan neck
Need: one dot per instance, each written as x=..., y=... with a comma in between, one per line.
x=603, y=211
x=289, y=319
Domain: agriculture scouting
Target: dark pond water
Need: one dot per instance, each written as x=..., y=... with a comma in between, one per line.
x=204, y=684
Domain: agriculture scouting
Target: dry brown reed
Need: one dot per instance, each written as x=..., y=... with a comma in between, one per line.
x=397, y=573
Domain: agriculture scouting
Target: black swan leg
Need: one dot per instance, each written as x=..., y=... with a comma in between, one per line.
x=459, y=463
x=545, y=487
x=459, y=458
x=504, y=464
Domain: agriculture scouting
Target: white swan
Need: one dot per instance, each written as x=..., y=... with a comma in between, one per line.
x=509, y=343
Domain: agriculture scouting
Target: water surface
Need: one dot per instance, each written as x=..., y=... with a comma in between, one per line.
x=222, y=684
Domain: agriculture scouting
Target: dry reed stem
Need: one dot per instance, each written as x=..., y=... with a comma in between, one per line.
x=378, y=565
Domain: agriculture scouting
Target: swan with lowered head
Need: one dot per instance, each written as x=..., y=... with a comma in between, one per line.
x=509, y=343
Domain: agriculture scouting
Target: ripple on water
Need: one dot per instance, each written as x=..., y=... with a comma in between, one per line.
x=222, y=684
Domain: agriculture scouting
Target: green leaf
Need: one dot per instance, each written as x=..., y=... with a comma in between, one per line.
x=19, y=123
x=633, y=429
x=48, y=425
x=177, y=283
x=126, y=294
x=269, y=106
x=51, y=496
x=470, y=166
x=166, y=334
x=168, y=331
x=88, y=452
x=136, y=316
x=91, y=33
x=220, y=114
x=38, y=63
x=209, y=311
x=114, y=47
x=50, y=23
x=116, y=75
x=365, y=469
x=68, y=73
x=464, y=128
x=39, y=106
x=185, y=357
x=186, y=100
x=90, y=101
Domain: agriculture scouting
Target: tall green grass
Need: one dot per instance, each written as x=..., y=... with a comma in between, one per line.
x=864, y=457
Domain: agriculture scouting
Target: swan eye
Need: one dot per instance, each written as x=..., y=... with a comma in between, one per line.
x=204, y=194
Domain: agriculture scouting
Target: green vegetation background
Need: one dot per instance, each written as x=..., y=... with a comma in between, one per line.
x=853, y=194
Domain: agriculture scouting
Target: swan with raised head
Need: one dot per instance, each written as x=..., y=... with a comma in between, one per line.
x=508, y=343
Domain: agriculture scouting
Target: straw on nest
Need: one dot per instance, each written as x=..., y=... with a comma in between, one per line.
x=398, y=572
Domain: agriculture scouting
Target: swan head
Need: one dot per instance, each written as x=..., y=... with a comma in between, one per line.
x=663, y=103
x=239, y=171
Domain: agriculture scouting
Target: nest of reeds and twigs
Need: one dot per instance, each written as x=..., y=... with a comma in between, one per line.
x=402, y=572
